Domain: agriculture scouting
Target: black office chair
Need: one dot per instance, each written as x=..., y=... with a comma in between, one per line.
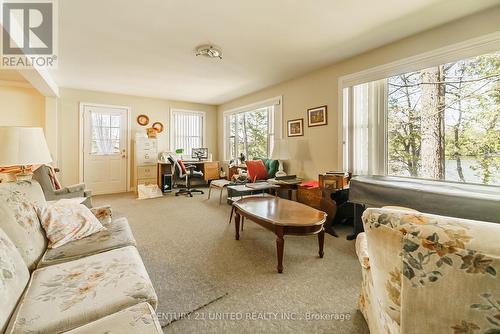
x=185, y=177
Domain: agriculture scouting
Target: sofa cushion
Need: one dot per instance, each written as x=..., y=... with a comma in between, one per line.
x=14, y=276
x=116, y=235
x=272, y=167
x=68, y=295
x=19, y=221
x=256, y=170
x=67, y=220
x=103, y=213
x=139, y=318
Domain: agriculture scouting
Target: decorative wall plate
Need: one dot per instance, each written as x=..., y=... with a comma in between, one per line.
x=142, y=120
x=158, y=126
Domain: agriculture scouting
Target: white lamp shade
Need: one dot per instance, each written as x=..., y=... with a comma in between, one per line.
x=21, y=146
x=280, y=150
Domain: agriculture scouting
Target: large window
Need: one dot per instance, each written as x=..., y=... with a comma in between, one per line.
x=441, y=122
x=251, y=131
x=187, y=130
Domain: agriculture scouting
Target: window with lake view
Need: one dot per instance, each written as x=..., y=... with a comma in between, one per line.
x=441, y=122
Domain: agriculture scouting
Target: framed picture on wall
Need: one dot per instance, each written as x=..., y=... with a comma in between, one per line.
x=295, y=127
x=317, y=116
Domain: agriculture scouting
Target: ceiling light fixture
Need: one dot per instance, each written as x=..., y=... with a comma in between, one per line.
x=209, y=51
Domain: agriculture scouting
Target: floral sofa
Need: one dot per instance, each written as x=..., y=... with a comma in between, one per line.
x=94, y=285
x=424, y=273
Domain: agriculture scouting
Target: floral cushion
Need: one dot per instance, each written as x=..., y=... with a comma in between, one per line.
x=19, y=221
x=67, y=220
x=14, y=277
x=68, y=295
x=139, y=318
x=116, y=235
x=103, y=213
x=444, y=270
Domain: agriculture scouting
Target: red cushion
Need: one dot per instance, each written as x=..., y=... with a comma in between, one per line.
x=256, y=170
x=183, y=167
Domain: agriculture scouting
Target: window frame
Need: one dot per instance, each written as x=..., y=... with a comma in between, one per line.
x=203, y=114
x=455, y=52
x=276, y=122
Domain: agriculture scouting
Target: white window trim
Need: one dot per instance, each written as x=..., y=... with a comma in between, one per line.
x=203, y=114
x=462, y=50
x=276, y=101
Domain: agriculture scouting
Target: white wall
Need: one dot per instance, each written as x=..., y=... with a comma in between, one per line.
x=318, y=150
x=21, y=106
x=158, y=110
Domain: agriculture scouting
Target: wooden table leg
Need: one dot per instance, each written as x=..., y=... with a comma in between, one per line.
x=237, y=225
x=231, y=216
x=321, y=242
x=280, y=243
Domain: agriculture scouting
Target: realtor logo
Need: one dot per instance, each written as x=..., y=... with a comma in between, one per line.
x=29, y=34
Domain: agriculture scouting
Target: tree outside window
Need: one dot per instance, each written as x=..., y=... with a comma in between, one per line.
x=444, y=121
x=250, y=133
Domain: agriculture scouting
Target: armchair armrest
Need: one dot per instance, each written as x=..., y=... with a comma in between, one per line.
x=103, y=213
x=61, y=191
x=76, y=188
x=362, y=250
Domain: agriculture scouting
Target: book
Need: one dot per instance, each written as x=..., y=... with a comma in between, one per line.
x=335, y=173
x=259, y=185
x=286, y=177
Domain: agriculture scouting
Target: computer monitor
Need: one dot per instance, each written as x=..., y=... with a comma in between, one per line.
x=199, y=153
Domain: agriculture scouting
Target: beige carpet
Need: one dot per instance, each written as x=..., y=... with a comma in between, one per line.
x=191, y=255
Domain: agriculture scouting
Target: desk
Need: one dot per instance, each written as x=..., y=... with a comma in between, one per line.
x=289, y=185
x=210, y=169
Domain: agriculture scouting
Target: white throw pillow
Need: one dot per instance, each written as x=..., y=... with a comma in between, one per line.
x=67, y=220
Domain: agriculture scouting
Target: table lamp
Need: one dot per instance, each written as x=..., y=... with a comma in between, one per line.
x=23, y=146
x=280, y=153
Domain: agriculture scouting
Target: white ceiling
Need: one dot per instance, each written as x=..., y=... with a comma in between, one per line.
x=147, y=47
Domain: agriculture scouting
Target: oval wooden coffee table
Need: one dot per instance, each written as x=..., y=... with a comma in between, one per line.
x=282, y=217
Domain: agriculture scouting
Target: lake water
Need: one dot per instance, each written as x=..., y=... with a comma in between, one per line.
x=469, y=174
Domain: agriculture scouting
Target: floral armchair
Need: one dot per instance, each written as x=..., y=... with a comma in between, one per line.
x=424, y=273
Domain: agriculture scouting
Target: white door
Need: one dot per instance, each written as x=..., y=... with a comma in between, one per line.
x=105, y=145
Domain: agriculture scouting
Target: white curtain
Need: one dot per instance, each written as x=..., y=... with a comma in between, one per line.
x=367, y=123
x=102, y=133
